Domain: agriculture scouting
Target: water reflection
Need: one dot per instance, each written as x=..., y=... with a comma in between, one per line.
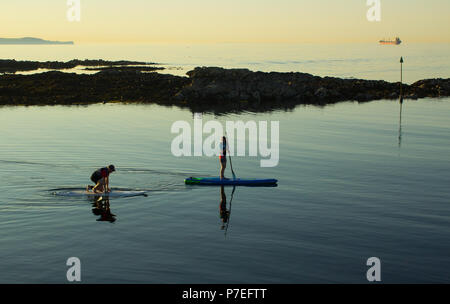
x=102, y=208
x=223, y=211
x=400, y=124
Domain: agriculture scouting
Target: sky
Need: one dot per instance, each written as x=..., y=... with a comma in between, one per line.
x=213, y=21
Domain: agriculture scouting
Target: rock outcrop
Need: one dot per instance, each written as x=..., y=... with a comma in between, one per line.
x=206, y=89
x=13, y=66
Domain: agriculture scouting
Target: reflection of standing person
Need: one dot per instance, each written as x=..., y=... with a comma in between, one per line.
x=224, y=213
x=223, y=156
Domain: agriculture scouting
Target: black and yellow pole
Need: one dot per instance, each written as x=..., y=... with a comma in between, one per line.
x=401, y=80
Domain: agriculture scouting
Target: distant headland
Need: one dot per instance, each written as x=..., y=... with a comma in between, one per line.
x=31, y=41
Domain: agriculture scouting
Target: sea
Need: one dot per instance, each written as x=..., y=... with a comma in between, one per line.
x=355, y=180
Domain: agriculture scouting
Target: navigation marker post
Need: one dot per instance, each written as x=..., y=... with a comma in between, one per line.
x=401, y=80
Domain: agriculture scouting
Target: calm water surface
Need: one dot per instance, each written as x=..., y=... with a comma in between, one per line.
x=347, y=60
x=353, y=183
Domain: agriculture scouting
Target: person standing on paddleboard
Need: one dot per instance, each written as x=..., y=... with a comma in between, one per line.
x=223, y=156
x=100, y=178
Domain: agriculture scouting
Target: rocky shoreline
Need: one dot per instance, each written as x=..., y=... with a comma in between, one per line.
x=13, y=66
x=206, y=89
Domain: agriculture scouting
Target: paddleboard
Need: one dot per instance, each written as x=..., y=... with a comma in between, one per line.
x=231, y=182
x=113, y=193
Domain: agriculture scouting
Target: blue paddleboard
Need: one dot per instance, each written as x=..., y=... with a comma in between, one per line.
x=230, y=181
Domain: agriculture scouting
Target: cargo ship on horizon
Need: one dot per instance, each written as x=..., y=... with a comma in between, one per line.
x=397, y=41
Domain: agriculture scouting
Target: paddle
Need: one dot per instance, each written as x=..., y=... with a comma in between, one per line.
x=229, y=156
x=231, y=165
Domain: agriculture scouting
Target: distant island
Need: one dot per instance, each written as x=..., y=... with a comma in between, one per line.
x=31, y=41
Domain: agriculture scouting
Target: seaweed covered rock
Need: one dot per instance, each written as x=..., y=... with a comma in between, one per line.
x=206, y=89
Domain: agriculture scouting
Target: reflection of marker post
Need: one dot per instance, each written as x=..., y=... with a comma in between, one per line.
x=401, y=80
x=400, y=126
